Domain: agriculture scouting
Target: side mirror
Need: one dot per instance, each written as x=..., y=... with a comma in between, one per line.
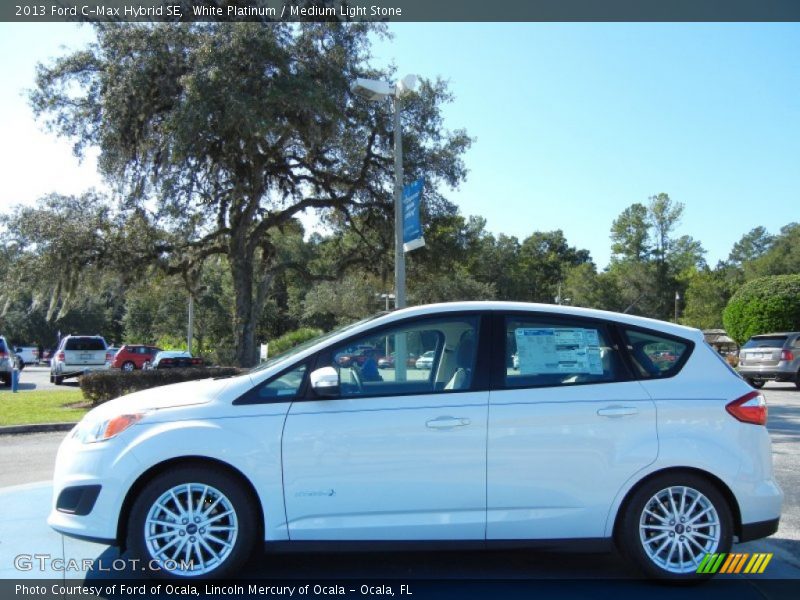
x=325, y=382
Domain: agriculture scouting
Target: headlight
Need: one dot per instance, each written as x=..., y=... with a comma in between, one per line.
x=98, y=431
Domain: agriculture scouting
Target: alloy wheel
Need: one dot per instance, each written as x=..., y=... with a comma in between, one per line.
x=678, y=527
x=191, y=529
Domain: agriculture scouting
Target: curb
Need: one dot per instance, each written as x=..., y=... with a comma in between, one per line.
x=35, y=428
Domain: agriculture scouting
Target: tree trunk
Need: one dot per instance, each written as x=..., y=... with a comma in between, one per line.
x=244, y=317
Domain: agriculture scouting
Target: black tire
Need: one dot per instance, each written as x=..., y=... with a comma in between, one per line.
x=51, y=378
x=7, y=380
x=244, y=519
x=58, y=379
x=635, y=526
x=128, y=366
x=756, y=383
x=797, y=380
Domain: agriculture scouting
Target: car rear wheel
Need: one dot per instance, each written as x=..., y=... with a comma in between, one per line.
x=672, y=522
x=193, y=522
x=756, y=383
x=128, y=366
x=58, y=379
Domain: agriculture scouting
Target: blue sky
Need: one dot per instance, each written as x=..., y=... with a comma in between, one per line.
x=574, y=122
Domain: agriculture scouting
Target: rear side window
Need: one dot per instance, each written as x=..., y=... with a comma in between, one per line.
x=766, y=341
x=85, y=344
x=541, y=351
x=654, y=354
x=2, y=346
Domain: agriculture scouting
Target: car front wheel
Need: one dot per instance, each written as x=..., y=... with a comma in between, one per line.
x=193, y=522
x=128, y=366
x=671, y=524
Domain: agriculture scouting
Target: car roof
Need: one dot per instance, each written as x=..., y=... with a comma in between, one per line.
x=774, y=334
x=503, y=306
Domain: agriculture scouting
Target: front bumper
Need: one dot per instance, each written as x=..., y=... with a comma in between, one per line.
x=99, y=466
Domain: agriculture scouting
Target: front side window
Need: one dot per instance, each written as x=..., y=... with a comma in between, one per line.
x=655, y=355
x=541, y=351
x=415, y=358
x=285, y=386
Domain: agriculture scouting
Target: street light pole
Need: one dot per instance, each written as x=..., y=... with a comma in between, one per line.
x=399, y=253
x=377, y=91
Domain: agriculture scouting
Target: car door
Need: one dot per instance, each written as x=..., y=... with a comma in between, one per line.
x=400, y=455
x=567, y=428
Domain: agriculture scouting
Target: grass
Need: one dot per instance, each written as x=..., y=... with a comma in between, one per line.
x=25, y=408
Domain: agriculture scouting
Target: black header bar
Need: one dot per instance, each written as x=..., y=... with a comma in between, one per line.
x=400, y=10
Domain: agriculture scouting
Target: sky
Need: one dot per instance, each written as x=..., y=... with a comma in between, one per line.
x=572, y=122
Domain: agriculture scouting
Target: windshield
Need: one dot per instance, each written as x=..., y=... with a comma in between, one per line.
x=307, y=344
x=774, y=341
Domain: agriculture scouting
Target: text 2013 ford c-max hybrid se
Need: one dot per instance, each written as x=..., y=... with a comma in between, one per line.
x=607, y=428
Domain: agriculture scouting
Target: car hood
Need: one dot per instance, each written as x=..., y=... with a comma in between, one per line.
x=166, y=396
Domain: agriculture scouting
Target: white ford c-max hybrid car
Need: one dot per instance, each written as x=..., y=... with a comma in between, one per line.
x=610, y=429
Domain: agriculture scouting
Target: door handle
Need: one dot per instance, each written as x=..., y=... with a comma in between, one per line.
x=615, y=412
x=447, y=422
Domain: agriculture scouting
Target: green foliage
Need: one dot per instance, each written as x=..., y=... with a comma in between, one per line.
x=707, y=294
x=292, y=339
x=101, y=386
x=204, y=118
x=754, y=244
x=583, y=286
x=649, y=264
x=630, y=236
x=764, y=305
x=782, y=257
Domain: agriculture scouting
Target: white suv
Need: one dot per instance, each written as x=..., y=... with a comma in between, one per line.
x=77, y=355
x=611, y=429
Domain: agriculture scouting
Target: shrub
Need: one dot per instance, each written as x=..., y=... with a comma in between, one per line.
x=292, y=339
x=102, y=386
x=763, y=305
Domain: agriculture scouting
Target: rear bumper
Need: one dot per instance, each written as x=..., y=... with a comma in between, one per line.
x=67, y=371
x=755, y=531
x=767, y=373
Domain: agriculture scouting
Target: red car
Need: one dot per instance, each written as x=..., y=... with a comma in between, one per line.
x=131, y=357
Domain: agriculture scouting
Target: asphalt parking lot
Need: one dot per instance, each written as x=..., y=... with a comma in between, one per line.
x=37, y=377
x=26, y=464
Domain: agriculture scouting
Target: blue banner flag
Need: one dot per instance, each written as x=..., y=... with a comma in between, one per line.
x=412, y=227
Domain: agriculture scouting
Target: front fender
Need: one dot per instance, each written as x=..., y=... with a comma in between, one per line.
x=229, y=441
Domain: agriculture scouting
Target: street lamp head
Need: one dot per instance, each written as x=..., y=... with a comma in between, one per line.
x=372, y=89
x=407, y=84
x=375, y=90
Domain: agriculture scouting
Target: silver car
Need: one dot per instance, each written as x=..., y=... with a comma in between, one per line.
x=771, y=357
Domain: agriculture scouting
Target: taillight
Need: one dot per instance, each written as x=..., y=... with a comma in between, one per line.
x=787, y=355
x=750, y=408
x=166, y=361
x=3, y=354
x=61, y=356
x=197, y=361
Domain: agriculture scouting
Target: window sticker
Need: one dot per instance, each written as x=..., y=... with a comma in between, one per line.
x=544, y=350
